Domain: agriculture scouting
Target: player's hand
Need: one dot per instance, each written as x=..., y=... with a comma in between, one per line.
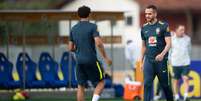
x=108, y=61
x=159, y=57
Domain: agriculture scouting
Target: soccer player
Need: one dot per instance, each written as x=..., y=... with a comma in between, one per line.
x=180, y=59
x=84, y=38
x=156, y=42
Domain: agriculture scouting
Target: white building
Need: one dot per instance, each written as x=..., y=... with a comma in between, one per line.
x=127, y=29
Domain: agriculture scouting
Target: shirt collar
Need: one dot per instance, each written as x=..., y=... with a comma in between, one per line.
x=154, y=22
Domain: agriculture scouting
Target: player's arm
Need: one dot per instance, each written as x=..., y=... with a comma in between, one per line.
x=165, y=50
x=170, y=54
x=143, y=49
x=71, y=46
x=167, y=36
x=167, y=47
x=100, y=46
x=189, y=46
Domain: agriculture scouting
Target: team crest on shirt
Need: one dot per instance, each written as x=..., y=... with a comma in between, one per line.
x=152, y=41
x=157, y=30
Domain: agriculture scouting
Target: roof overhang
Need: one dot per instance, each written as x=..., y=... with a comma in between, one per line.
x=35, y=15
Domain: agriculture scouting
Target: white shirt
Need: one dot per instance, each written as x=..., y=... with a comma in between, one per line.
x=180, y=51
x=132, y=53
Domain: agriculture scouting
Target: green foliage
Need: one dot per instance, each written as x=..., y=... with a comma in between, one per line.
x=23, y=5
x=29, y=28
x=28, y=4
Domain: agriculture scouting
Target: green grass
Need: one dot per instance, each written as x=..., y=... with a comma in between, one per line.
x=63, y=100
x=54, y=99
x=116, y=99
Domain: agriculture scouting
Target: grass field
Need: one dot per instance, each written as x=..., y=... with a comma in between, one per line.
x=116, y=99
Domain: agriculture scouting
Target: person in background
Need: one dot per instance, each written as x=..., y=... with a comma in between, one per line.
x=180, y=60
x=131, y=55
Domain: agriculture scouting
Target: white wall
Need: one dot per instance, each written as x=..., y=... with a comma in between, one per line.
x=130, y=7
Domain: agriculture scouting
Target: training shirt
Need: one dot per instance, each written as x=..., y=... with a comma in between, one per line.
x=82, y=35
x=154, y=37
x=180, y=51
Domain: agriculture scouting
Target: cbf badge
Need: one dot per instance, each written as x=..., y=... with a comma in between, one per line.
x=152, y=41
x=157, y=30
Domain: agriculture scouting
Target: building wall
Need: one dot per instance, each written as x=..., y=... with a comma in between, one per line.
x=129, y=7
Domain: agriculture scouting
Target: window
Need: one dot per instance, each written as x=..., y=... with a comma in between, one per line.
x=129, y=20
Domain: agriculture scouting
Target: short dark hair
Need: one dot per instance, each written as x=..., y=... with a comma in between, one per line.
x=83, y=11
x=177, y=26
x=152, y=7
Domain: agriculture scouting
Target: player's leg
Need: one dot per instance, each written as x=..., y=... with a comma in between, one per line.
x=158, y=94
x=96, y=75
x=80, y=93
x=185, y=71
x=186, y=84
x=176, y=77
x=158, y=90
x=175, y=89
x=81, y=78
x=148, y=79
x=163, y=76
x=98, y=90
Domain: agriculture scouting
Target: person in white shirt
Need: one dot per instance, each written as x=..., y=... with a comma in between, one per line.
x=130, y=52
x=180, y=59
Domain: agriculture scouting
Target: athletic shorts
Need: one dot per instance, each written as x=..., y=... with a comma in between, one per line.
x=180, y=71
x=93, y=72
